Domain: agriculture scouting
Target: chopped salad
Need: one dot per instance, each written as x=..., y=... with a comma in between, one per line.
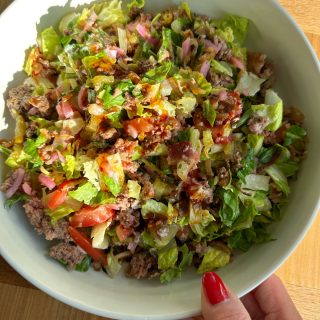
x=150, y=142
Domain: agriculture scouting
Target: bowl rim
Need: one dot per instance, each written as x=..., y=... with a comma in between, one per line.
x=73, y=302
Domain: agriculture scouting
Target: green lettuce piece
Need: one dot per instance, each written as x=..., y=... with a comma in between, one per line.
x=183, y=169
x=221, y=67
x=207, y=142
x=186, y=105
x=238, y=25
x=272, y=110
x=5, y=151
x=199, y=219
x=110, y=100
x=113, y=186
x=279, y=178
x=195, y=80
x=134, y=189
x=244, y=239
x=125, y=85
x=249, y=84
x=113, y=266
x=164, y=241
x=85, y=193
x=158, y=74
x=110, y=13
x=229, y=210
x=29, y=62
x=147, y=239
x=50, y=43
x=166, y=49
x=256, y=182
x=84, y=265
x=248, y=165
x=167, y=258
x=226, y=34
x=136, y=3
x=289, y=168
x=246, y=217
x=161, y=189
x=259, y=199
x=214, y=258
x=153, y=206
x=31, y=149
x=185, y=7
x=17, y=197
x=100, y=81
x=256, y=142
x=179, y=24
x=244, y=118
x=293, y=134
x=239, y=52
x=168, y=275
x=69, y=166
x=209, y=112
x=59, y=213
x=187, y=257
x=90, y=171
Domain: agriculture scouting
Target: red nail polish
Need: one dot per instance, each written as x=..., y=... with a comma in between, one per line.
x=214, y=288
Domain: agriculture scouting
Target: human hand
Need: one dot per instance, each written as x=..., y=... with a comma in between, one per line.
x=269, y=301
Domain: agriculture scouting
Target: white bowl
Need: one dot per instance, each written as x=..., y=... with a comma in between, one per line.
x=272, y=31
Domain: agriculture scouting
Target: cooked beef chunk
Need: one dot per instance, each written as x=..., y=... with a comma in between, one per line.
x=42, y=223
x=68, y=254
x=142, y=265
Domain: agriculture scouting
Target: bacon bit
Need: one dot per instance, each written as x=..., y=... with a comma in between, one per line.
x=182, y=151
x=218, y=137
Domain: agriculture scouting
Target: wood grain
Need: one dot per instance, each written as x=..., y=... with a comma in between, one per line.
x=300, y=273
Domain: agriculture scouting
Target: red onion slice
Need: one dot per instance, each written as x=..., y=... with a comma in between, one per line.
x=238, y=63
x=16, y=183
x=205, y=68
x=46, y=181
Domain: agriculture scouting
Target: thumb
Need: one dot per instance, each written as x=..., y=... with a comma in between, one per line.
x=218, y=303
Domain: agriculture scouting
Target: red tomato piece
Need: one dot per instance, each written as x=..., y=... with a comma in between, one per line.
x=85, y=243
x=91, y=216
x=135, y=126
x=56, y=199
x=123, y=233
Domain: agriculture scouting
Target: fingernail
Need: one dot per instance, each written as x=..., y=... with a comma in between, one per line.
x=214, y=288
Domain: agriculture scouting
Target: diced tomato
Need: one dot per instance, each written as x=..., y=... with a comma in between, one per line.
x=91, y=216
x=56, y=199
x=85, y=243
x=69, y=184
x=135, y=126
x=123, y=233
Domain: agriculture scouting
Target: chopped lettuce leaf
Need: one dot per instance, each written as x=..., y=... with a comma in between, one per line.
x=221, y=67
x=249, y=84
x=199, y=219
x=69, y=166
x=214, y=258
x=207, y=142
x=256, y=142
x=209, y=112
x=100, y=239
x=31, y=149
x=293, y=134
x=279, y=178
x=159, y=74
x=85, y=193
x=170, y=274
x=111, y=100
x=59, y=213
x=113, y=266
x=289, y=168
x=229, y=210
x=90, y=171
x=172, y=230
x=136, y=3
x=113, y=186
x=168, y=258
x=161, y=189
x=246, y=217
x=84, y=265
x=166, y=49
x=272, y=110
x=17, y=197
x=248, y=165
x=238, y=25
x=147, y=239
x=256, y=182
x=110, y=13
x=50, y=43
x=134, y=189
x=5, y=151
x=186, y=105
x=187, y=257
x=155, y=207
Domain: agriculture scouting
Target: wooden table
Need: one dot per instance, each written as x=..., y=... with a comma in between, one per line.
x=19, y=300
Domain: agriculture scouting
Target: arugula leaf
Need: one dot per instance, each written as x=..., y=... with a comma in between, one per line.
x=17, y=197
x=209, y=112
x=229, y=210
x=84, y=193
x=214, y=258
x=113, y=186
x=84, y=265
x=294, y=133
x=248, y=165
